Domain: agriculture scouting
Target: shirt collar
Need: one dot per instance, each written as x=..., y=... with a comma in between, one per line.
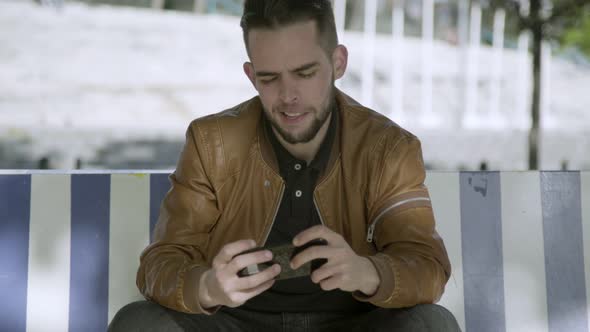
x=286, y=160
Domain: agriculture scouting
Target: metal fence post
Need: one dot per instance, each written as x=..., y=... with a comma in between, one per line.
x=368, y=80
x=397, y=57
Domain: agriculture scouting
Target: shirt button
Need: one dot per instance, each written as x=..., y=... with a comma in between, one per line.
x=298, y=193
x=297, y=167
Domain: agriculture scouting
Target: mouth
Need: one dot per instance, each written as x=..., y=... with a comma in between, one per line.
x=291, y=117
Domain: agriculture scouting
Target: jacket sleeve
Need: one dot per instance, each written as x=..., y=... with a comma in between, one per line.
x=411, y=258
x=171, y=266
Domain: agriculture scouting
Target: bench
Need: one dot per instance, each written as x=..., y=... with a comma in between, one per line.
x=519, y=243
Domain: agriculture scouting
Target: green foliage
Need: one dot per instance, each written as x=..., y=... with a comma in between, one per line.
x=578, y=35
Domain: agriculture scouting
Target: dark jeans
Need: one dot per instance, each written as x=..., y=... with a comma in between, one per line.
x=148, y=316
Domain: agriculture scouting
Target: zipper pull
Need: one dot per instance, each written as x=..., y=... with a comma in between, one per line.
x=370, y=232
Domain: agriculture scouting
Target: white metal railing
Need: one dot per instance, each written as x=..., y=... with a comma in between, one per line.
x=475, y=111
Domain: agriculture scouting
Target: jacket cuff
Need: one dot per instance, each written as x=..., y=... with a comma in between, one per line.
x=387, y=287
x=189, y=291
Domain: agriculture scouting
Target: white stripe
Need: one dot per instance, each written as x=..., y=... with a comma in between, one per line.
x=49, y=253
x=129, y=235
x=525, y=292
x=445, y=195
x=585, y=185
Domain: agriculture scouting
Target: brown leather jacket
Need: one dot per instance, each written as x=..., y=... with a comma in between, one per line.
x=227, y=187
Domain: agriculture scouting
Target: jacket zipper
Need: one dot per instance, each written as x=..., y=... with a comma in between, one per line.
x=318, y=210
x=371, y=230
x=275, y=214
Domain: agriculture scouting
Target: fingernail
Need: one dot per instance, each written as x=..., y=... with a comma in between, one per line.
x=268, y=254
x=295, y=242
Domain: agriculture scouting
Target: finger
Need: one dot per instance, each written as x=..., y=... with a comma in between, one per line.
x=258, y=289
x=241, y=261
x=330, y=283
x=228, y=251
x=324, y=272
x=239, y=297
x=317, y=232
x=258, y=279
x=310, y=254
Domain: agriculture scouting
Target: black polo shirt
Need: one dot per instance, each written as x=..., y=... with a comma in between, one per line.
x=297, y=212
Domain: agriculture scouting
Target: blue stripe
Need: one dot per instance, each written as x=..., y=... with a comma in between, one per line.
x=564, y=255
x=15, y=207
x=481, y=236
x=89, y=252
x=159, y=186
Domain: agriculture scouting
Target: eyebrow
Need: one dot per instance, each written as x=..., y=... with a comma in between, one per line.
x=298, y=69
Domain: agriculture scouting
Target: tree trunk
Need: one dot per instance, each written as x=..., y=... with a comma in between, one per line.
x=534, y=134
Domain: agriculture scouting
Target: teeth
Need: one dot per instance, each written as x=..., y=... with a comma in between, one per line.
x=291, y=114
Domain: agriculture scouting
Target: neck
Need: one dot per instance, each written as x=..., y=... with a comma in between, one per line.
x=306, y=151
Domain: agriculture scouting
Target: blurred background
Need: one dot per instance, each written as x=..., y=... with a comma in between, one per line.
x=98, y=84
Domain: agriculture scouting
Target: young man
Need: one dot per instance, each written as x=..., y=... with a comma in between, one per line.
x=299, y=162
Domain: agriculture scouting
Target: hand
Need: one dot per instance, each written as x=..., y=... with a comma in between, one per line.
x=344, y=269
x=221, y=284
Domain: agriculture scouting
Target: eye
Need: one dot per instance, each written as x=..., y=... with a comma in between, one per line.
x=268, y=80
x=307, y=74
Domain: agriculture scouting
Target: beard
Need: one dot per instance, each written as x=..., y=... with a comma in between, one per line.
x=319, y=119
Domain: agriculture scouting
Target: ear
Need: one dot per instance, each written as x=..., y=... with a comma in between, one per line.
x=249, y=71
x=339, y=61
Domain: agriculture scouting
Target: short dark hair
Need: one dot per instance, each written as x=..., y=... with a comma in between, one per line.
x=273, y=14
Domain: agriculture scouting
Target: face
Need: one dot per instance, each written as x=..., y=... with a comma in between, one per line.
x=294, y=78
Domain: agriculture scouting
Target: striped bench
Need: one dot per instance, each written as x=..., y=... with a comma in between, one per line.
x=519, y=243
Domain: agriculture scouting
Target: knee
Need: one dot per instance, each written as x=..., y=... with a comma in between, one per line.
x=140, y=316
x=435, y=318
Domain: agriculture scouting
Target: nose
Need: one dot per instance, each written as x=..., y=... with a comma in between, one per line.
x=288, y=92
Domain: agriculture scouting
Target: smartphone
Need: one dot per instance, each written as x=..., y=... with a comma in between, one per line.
x=282, y=255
